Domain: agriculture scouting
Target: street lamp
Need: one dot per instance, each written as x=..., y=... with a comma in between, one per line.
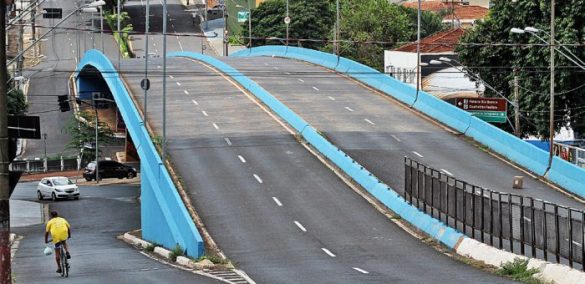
x=534, y=32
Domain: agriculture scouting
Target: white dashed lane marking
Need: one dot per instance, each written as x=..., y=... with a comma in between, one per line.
x=275, y=68
x=300, y=226
x=195, y=102
x=447, y=172
x=331, y=98
x=328, y=252
x=228, y=141
x=171, y=76
x=178, y=83
x=395, y=138
x=204, y=113
x=315, y=88
x=348, y=108
x=258, y=178
x=301, y=80
x=241, y=159
x=277, y=201
x=186, y=92
x=215, y=126
x=416, y=153
x=360, y=270
x=369, y=121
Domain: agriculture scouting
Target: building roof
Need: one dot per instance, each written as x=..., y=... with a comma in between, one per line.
x=462, y=12
x=440, y=42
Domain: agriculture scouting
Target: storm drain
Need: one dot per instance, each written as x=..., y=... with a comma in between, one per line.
x=230, y=276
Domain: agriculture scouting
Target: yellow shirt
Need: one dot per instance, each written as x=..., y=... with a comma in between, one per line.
x=59, y=229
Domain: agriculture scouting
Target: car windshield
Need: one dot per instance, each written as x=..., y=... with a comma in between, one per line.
x=61, y=181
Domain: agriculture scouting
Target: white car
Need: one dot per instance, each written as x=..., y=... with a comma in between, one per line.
x=57, y=187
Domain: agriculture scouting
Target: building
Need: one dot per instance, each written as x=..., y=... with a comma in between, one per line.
x=457, y=13
x=444, y=81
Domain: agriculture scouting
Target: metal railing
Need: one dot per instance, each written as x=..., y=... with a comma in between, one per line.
x=512, y=222
x=39, y=166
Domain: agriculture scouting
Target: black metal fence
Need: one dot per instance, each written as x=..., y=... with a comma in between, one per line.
x=519, y=224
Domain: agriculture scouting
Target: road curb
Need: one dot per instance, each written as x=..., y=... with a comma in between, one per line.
x=548, y=271
x=203, y=267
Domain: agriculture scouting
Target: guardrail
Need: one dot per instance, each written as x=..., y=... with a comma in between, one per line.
x=528, y=156
x=164, y=217
x=571, y=154
x=507, y=221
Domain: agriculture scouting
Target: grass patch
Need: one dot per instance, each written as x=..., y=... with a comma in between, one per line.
x=214, y=258
x=518, y=270
x=177, y=251
x=150, y=248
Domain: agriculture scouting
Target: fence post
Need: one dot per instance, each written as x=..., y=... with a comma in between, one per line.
x=464, y=208
x=544, y=232
x=473, y=211
x=491, y=219
x=45, y=165
x=533, y=227
x=510, y=220
x=62, y=164
x=522, y=225
x=27, y=166
x=500, y=225
x=582, y=240
x=557, y=235
x=78, y=162
x=570, y=226
x=482, y=214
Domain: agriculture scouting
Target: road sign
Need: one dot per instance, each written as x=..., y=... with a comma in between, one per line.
x=145, y=84
x=243, y=16
x=482, y=104
x=52, y=13
x=487, y=109
x=287, y=20
x=491, y=116
x=28, y=127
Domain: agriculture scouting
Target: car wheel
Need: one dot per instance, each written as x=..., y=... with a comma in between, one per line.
x=39, y=195
x=131, y=175
x=88, y=179
x=53, y=196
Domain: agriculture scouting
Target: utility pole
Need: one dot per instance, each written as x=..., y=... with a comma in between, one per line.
x=5, y=269
x=20, y=62
x=33, y=24
x=287, y=24
x=517, y=131
x=164, y=83
x=146, y=33
x=337, y=27
x=552, y=85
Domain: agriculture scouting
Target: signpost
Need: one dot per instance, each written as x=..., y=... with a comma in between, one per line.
x=52, y=13
x=26, y=127
x=486, y=109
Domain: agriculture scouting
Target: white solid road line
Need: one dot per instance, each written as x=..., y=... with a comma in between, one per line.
x=328, y=252
x=180, y=45
x=416, y=153
x=258, y=178
x=186, y=92
x=360, y=270
x=277, y=201
x=395, y=138
x=301, y=80
x=195, y=102
x=215, y=126
x=315, y=88
x=348, y=108
x=242, y=159
x=204, y=113
x=447, y=172
x=369, y=121
x=300, y=226
x=228, y=141
x=331, y=98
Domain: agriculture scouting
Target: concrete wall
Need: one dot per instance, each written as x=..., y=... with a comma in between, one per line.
x=164, y=217
x=524, y=154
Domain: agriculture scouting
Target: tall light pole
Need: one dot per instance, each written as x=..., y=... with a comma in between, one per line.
x=337, y=28
x=102, y=28
x=417, y=51
x=287, y=22
x=146, y=33
x=552, y=84
x=119, y=36
x=5, y=269
x=164, y=142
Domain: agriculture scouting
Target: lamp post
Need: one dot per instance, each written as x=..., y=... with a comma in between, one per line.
x=146, y=34
x=164, y=106
x=287, y=22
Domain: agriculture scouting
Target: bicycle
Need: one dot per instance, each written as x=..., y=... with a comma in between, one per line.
x=64, y=261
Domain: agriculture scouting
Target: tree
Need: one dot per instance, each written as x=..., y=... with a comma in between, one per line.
x=430, y=22
x=83, y=133
x=16, y=101
x=482, y=52
x=310, y=19
x=372, y=26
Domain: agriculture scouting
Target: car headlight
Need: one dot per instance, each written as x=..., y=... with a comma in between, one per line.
x=59, y=190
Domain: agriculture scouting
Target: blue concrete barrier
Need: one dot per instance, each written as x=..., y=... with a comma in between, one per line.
x=568, y=176
x=164, y=217
x=379, y=190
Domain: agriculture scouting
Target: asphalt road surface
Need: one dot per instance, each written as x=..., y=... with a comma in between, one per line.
x=378, y=132
x=102, y=213
x=273, y=207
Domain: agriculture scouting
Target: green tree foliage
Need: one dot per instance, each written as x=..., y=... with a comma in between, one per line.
x=372, y=26
x=310, y=19
x=16, y=100
x=430, y=22
x=83, y=133
x=122, y=38
x=496, y=62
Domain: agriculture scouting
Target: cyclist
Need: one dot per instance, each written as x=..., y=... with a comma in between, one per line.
x=60, y=231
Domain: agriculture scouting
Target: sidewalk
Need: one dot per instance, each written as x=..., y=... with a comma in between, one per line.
x=25, y=213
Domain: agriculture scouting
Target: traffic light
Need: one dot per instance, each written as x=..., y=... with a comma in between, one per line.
x=64, y=103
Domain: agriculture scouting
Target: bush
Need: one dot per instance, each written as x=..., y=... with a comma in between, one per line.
x=518, y=270
x=177, y=251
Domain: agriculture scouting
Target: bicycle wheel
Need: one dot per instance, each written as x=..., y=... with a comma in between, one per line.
x=64, y=263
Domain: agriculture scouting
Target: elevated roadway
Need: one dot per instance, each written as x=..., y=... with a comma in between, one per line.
x=378, y=131
x=272, y=206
